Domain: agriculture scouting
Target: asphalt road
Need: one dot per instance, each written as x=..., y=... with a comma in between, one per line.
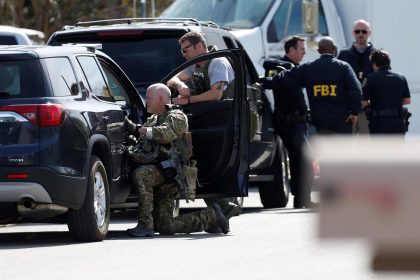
x=262, y=244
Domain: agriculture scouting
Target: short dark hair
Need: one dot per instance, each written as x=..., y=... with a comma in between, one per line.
x=380, y=58
x=193, y=38
x=292, y=41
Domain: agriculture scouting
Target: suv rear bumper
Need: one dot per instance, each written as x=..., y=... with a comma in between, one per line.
x=42, y=185
x=19, y=191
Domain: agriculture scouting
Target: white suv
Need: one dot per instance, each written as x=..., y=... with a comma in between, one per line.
x=10, y=35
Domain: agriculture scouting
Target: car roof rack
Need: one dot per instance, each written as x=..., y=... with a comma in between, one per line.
x=89, y=47
x=184, y=21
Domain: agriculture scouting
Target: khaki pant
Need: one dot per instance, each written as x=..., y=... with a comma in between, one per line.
x=362, y=125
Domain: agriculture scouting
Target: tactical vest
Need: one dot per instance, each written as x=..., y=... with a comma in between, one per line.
x=200, y=81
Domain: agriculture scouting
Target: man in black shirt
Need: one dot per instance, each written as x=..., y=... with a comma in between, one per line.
x=385, y=92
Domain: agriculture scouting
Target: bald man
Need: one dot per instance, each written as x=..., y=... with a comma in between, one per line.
x=333, y=90
x=357, y=55
x=155, y=181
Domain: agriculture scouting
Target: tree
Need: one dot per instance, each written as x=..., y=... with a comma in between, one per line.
x=49, y=16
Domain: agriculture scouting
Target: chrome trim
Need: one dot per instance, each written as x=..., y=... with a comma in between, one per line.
x=16, y=191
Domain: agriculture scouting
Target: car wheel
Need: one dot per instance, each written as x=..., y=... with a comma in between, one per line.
x=275, y=194
x=90, y=223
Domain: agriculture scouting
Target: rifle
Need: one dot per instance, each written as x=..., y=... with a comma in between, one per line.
x=177, y=163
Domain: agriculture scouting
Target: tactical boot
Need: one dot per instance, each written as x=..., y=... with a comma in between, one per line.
x=214, y=230
x=221, y=220
x=139, y=231
x=233, y=210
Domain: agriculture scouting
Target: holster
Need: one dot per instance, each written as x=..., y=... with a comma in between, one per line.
x=168, y=171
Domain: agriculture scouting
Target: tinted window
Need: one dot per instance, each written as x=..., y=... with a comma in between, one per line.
x=288, y=21
x=94, y=77
x=21, y=79
x=8, y=40
x=145, y=59
x=62, y=77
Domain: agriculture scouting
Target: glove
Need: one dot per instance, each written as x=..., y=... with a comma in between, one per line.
x=129, y=125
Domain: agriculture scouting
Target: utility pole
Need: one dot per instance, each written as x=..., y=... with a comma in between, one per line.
x=142, y=8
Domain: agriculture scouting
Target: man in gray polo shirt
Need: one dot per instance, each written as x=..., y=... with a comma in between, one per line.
x=204, y=81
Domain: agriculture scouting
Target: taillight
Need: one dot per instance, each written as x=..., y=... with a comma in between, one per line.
x=41, y=115
x=17, y=176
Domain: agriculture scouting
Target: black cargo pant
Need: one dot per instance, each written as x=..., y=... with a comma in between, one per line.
x=387, y=125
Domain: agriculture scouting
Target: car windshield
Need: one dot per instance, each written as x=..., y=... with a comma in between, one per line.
x=235, y=14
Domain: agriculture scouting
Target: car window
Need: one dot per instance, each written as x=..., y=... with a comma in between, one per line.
x=94, y=77
x=62, y=78
x=21, y=79
x=8, y=40
x=116, y=88
x=288, y=21
x=145, y=60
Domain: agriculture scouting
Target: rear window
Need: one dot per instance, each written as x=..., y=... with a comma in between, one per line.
x=20, y=79
x=8, y=40
x=145, y=60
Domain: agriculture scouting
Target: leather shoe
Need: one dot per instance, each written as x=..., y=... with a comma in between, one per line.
x=299, y=204
x=139, y=231
x=221, y=220
x=311, y=204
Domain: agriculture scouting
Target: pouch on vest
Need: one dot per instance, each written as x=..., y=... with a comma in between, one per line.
x=191, y=176
x=190, y=173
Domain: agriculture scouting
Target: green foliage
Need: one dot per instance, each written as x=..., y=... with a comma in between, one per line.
x=49, y=16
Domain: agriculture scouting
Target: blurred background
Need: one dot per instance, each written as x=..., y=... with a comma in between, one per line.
x=49, y=16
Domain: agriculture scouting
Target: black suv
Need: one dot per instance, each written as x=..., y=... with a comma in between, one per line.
x=63, y=143
x=148, y=48
x=62, y=132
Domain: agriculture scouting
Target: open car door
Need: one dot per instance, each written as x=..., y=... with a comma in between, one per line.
x=220, y=133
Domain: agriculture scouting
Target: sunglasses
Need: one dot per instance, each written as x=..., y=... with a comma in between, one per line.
x=358, y=31
x=184, y=50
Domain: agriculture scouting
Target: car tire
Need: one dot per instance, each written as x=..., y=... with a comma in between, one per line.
x=275, y=194
x=90, y=222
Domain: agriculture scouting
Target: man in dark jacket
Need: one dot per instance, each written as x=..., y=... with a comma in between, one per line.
x=386, y=92
x=358, y=57
x=292, y=127
x=334, y=94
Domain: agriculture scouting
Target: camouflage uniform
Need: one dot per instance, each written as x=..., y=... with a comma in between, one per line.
x=153, y=190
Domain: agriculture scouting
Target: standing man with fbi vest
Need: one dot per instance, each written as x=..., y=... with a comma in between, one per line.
x=334, y=93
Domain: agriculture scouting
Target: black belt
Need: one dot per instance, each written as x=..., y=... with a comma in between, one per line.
x=386, y=113
x=292, y=117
